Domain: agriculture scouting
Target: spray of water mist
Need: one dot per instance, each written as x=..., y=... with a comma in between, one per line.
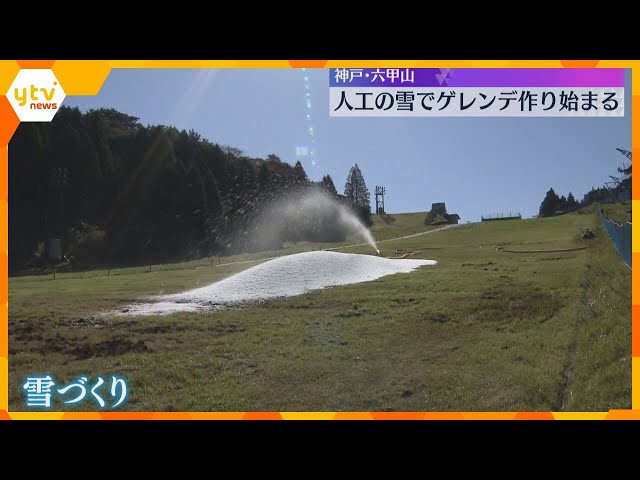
x=347, y=218
x=309, y=214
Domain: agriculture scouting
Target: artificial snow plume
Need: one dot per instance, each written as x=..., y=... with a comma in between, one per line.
x=309, y=214
x=282, y=277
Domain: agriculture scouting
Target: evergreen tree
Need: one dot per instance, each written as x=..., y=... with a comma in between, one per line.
x=301, y=175
x=562, y=204
x=571, y=201
x=549, y=205
x=327, y=183
x=356, y=189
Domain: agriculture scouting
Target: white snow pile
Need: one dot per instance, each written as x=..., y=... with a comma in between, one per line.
x=282, y=277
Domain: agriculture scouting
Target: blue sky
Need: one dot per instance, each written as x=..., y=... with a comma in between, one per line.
x=476, y=165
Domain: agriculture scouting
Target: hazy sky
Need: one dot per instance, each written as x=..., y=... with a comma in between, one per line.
x=475, y=165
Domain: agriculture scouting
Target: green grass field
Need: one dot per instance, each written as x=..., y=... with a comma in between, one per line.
x=484, y=330
x=392, y=225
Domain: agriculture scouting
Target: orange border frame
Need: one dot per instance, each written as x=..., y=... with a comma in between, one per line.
x=85, y=77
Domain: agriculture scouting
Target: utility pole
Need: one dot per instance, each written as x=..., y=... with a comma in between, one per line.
x=380, y=191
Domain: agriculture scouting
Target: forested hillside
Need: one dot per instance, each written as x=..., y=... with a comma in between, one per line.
x=119, y=192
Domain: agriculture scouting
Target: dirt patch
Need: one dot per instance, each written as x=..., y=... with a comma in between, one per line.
x=29, y=337
x=478, y=265
x=566, y=257
x=509, y=302
x=440, y=318
x=160, y=329
x=109, y=348
x=57, y=344
x=25, y=332
x=402, y=300
x=24, y=329
x=81, y=350
x=91, y=322
x=225, y=329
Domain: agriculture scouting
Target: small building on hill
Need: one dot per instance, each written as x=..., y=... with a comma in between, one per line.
x=438, y=215
x=438, y=208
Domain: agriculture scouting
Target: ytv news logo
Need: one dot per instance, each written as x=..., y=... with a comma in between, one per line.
x=35, y=95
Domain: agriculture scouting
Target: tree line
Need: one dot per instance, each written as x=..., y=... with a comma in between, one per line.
x=553, y=204
x=116, y=191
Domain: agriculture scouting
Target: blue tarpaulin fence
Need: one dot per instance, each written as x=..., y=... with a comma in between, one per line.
x=620, y=235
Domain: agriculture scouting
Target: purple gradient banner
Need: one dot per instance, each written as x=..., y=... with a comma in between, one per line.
x=476, y=77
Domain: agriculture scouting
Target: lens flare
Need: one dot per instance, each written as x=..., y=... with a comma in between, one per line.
x=307, y=150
